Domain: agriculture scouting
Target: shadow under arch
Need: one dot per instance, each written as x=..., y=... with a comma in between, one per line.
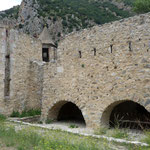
x=66, y=111
x=126, y=114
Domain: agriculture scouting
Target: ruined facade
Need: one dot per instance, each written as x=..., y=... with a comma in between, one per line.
x=94, y=70
x=18, y=54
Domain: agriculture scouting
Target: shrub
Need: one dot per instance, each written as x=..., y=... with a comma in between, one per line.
x=48, y=121
x=64, y=23
x=15, y=114
x=2, y=117
x=59, y=34
x=83, y=65
x=26, y=113
x=54, y=19
x=20, y=26
x=120, y=134
x=73, y=126
x=142, y=6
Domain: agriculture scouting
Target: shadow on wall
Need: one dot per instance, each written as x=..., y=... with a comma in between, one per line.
x=126, y=114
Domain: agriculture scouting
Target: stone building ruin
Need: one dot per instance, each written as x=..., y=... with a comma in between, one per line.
x=96, y=76
x=48, y=46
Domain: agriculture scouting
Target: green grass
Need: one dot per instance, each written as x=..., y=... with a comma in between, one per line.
x=121, y=134
x=31, y=138
x=28, y=139
x=101, y=131
x=22, y=137
x=48, y=121
x=73, y=126
x=147, y=138
x=116, y=133
x=2, y=118
x=25, y=113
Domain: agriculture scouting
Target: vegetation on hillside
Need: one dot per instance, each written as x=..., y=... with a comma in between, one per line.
x=77, y=14
x=127, y=2
x=142, y=6
x=10, y=13
x=80, y=13
x=72, y=15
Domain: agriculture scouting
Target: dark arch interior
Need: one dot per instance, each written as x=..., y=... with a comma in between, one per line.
x=70, y=112
x=130, y=115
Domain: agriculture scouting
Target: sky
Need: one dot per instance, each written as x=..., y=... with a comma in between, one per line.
x=6, y=4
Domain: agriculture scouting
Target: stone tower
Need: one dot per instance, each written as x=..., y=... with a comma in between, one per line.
x=48, y=46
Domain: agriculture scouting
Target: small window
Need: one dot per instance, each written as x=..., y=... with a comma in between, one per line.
x=94, y=51
x=45, y=54
x=6, y=33
x=130, y=46
x=111, y=48
x=80, y=54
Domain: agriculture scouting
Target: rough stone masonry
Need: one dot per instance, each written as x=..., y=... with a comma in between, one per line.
x=95, y=69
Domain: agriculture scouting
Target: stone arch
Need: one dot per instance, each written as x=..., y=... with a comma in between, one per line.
x=126, y=114
x=66, y=110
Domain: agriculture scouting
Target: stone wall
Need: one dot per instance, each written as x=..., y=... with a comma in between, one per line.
x=3, y=47
x=17, y=52
x=98, y=68
x=35, y=85
x=24, y=50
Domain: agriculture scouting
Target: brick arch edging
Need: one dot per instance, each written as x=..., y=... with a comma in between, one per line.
x=104, y=119
x=54, y=108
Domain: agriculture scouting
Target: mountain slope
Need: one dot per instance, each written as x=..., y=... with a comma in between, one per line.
x=64, y=16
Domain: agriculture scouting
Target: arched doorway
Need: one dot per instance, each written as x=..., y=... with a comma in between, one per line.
x=130, y=115
x=65, y=111
x=70, y=111
x=127, y=114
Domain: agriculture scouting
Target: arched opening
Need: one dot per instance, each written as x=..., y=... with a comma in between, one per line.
x=129, y=114
x=66, y=113
x=70, y=112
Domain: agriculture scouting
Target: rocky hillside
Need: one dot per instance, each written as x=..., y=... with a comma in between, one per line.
x=64, y=16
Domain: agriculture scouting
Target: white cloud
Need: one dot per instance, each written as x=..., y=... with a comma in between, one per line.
x=6, y=4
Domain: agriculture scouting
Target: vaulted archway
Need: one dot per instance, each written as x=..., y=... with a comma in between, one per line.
x=70, y=111
x=65, y=111
x=126, y=114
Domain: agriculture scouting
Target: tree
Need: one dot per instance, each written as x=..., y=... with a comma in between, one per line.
x=142, y=6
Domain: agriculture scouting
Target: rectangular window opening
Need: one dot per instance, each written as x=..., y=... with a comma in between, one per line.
x=7, y=33
x=111, y=48
x=94, y=51
x=80, y=54
x=45, y=54
x=7, y=68
x=130, y=46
